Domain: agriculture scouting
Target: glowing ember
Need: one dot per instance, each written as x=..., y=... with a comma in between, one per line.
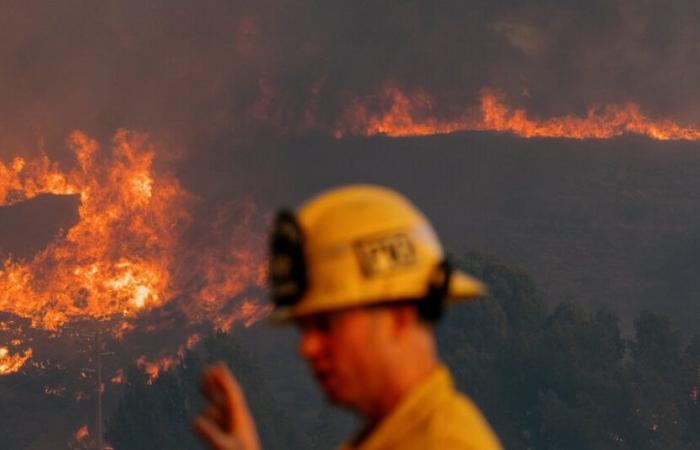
x=249, y=312
x=81, y=433
x=56, y=391
x=154, y=368
x=121, y=329
x=119, y=377
x=192, y=341
x=10, y=363
x=412, y=115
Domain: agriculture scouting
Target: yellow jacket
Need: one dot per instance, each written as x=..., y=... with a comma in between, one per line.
x=432, y=416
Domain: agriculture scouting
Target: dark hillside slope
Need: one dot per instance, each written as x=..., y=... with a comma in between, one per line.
x=598, y=222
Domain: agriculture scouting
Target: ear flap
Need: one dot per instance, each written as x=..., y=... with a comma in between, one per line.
x=288, y=279
x=431, y=308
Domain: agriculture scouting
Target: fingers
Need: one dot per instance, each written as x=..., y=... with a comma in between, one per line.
x=226, y=423
x=221, y=378
x=217, y=399
x=212, y=434
x=224, y=392
x=215, y=415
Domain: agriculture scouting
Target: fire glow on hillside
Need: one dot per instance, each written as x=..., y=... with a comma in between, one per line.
x=403, y=115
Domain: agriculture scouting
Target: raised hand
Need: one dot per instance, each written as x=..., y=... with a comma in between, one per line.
x=226, y=422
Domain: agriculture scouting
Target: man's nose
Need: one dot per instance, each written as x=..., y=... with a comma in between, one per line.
x=311, y=343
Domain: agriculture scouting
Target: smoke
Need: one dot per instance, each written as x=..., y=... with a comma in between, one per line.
x=203, y=71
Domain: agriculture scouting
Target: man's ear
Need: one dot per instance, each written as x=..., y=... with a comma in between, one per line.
x=404, y=317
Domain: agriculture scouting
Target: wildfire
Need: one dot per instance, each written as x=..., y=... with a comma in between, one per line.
x=154, y=368
x=135, y=247
x=115, y=259
x=413, y=115
x=10, y=363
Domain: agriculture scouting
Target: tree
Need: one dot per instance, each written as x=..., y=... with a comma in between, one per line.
x=691, y=387
x=655, y=375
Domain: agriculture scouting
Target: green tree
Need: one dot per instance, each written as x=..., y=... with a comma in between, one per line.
x=655, y=374
x=691, y=388
x=583, y=397
x=487, y=345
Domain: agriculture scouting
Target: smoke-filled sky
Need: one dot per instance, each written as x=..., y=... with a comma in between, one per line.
x=202, y=70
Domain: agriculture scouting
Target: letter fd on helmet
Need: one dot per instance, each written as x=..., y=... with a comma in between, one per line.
x=355, y=246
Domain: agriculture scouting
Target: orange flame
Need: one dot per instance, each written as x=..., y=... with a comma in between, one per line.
x=131, y=249
x=154, y=368
x=119, y=377
x=192, y=341
x=81, y=433
x=115, y=260
x=249, y=312
x=10, y=363
x=413, y=116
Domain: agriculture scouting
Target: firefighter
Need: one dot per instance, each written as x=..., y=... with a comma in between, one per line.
x=361, y=272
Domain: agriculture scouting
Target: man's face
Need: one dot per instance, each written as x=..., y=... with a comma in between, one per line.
x=345, y=350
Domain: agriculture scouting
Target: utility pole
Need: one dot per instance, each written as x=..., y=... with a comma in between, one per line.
x=100, y=390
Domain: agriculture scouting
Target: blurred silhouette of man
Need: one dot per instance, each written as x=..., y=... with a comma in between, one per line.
x=362, y=273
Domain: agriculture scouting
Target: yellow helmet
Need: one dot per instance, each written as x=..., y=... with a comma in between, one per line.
x=358, y=245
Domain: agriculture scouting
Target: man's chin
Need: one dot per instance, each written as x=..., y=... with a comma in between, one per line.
x=335, y=398
x=339, y=402
x=332, y=392
x=328, y=389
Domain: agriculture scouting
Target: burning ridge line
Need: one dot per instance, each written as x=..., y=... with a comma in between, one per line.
x=404, y=115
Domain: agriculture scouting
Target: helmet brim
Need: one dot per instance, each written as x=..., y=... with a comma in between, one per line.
x=462, y=287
